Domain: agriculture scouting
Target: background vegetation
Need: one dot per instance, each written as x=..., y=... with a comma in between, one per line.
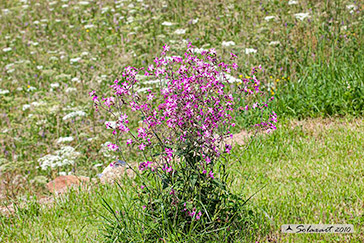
x=54, y=52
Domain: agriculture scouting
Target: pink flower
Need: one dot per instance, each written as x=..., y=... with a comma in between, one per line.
x=113, y=147
x=172, y=192
x=129, y=141
x=92, y=93
x=142, y=146
x=145, y=165
x=211, y=175
x=166, y=48
x=198, y=215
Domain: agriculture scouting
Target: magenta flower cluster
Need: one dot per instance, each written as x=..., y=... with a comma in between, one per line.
x=193, y=110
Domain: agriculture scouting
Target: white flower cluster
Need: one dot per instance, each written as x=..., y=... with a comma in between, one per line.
x=302, y=16
x=64, y=139
x=65, y=156
x=226, y=77
x=250, y=50
x=74, y=114
x=4, y=91
x=292, y=2
x=228, y=43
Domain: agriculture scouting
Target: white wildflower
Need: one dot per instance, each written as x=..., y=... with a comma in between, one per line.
x=4, y=91
x=55, y=85
x=64, y=139
x=194, y=21
x=180, y=31
x=229, y=78
x=31, y=88
x=26, y=107
x=39, y=67
x=165, y=23
x=74, y=114
x=228, y=43
x=6, y=11
x=69, y=90
x=75, y=79
x=352, y=8
x=274, y=43
x=89, y=26
x=250, y=50
x=302, y=16
x=85, y=53
x=64, y=6
x=268, y=18
x=130, y=19
x=65, y=156
x=292, y=2
x=10, y=65
x=7, y=49
x=35, y=103
x=73, y=60
x=84, y=3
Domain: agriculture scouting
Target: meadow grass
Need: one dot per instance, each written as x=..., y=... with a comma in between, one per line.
x=311, y=172
x=52, y=53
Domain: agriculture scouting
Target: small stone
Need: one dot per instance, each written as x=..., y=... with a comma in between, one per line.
x=62, y=183
x=115, y=171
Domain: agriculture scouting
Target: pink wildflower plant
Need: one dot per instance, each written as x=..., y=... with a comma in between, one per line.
x=185, y=125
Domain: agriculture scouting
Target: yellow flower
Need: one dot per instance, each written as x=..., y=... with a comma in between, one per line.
x=28, y=86
x=247, y=77
x=79, y=40
x=87, y=30
x=271, y=77
x=240, y=76
x=272, y=92
x=277, y=80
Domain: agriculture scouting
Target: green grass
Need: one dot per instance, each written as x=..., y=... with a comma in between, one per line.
x=312, y=173
x=314, y=71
